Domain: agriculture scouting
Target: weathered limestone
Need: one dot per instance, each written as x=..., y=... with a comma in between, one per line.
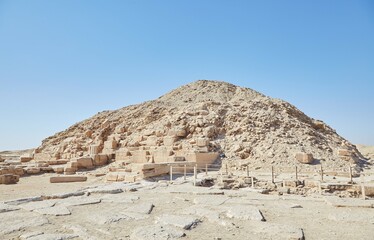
x=58, y=162
x=100, y=159
x=16, y=221
x=9, y=179
x=94, y=149
x=347, y=155
x=85, y=163
x=7, y=208
x=182, y=221
x=32, y=170
x=150, y=169
x=245, y=212
x=55, y=211
x=305, y=158
x=66, y=179
x=157, y=232
x=169, y=140
x=202, y=142
x=26, y=158
x=43, y=157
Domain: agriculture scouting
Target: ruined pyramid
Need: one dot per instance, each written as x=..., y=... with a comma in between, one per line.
x=218, y=120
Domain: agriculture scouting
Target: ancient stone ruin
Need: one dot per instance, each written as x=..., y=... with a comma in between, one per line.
x=200, y=123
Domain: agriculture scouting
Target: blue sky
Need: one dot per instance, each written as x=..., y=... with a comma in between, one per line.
x=63, y=61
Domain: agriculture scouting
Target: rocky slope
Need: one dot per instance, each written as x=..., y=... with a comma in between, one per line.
x=239, y=123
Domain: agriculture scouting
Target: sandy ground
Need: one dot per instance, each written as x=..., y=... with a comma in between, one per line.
x=232, y=214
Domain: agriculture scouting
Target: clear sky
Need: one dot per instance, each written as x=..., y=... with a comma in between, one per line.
x=63, y=61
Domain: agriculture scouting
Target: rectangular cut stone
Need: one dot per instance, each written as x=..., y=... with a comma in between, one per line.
x=9, y=179
x=139, y=156
x=110, y=144
x=43, y=157
x=65, y=179
x=100, y=159
x=202, y=159
x=304, y=158
x=25, y=158
x=85, y=162
x=202, y=142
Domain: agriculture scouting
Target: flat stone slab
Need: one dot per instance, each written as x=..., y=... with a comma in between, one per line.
x=107, y=217
x=23, y=200
x=209, y=214
x=157, y=232
x=245, y=212
x=349, y=202
x=349, y=216
x=182, y=221
x=65, y=195
x=278, y=231
x=67, y=179
x=210, y=200
x=108, y=189
x=7, y=208
x=119, y=198
x=31, y=206
x=16, y=221
x=46, y=236
x=55, y=211
x=79, y=201
x=143, y=208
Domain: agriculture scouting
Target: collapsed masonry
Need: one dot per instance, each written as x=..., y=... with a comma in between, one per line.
x=194, y=124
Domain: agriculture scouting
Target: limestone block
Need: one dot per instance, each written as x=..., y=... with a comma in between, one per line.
x=32, y=170
x=88, y=133
x=1, y=159
x=149, y=132
x=85, y=162
x=202, y=159
x=110, y=144
x=43, y=157
x=162, y=155
x=151, y=141
x=112, y=176
x=9, y=179
x=100, y=159
x=139, y=156
x=122, y=154
x=19, y=171
x=177, y=132
x=130, y=178
x=305, y=158
x=58, y=169
x=65, y=179
x=150, y=169
x=69, y=171
x=72, y=164
x=344, y=152
x=58, y=162
x=26, y=158
x=169, y=140
x=202, y=142
x=46, y=169
x=94, y=149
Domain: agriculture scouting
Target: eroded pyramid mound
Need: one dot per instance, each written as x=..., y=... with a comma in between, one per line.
x=205, y=117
